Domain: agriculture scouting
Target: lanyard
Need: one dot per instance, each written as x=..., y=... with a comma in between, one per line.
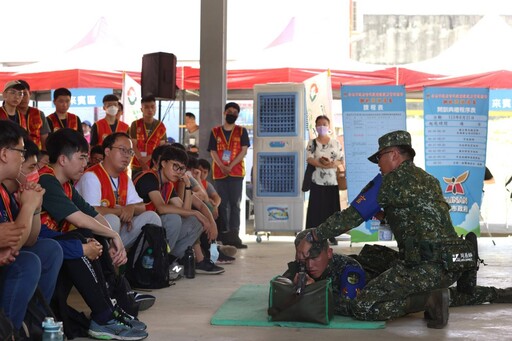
x=7, y=202
x=116, y=192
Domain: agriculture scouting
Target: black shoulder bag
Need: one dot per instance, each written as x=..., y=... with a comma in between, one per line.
x=308, y=174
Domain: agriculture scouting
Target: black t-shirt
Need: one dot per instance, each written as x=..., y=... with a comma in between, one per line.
x=148, y=183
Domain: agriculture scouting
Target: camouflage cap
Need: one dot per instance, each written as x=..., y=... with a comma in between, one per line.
x=394, y=138
x=316, y=247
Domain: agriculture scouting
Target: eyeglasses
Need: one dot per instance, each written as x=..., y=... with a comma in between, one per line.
x=178, y=168
x=379, y=156
x=21, y=151
x=16, y=93
x=124, y=151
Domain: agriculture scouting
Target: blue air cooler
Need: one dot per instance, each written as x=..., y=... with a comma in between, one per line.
x=279, y=157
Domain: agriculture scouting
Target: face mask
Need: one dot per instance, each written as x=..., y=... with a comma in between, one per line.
x=322, y=130
x=31, y=177
x=230, y=119
x=112, y=110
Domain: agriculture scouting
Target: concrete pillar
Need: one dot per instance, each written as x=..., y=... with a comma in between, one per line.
x=213, y=69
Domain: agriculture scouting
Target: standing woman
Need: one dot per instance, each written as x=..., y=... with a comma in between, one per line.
x=325, y=154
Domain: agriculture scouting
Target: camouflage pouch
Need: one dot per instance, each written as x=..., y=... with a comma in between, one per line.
x=458, y=255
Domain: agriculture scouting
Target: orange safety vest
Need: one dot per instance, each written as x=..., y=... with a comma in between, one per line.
x=109, y=198
x=71, y=121
x=103, y=129
x=46, y=219
x=6, y=198
x=165, y=189
x=21, y=119
x=234, y=145
x=145, y=143
x=34, y=125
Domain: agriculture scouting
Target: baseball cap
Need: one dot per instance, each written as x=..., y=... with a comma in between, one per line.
x=13, y=85
x=87, y=123
x=394, y=138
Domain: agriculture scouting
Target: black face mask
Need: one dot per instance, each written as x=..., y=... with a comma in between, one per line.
x=230, y=118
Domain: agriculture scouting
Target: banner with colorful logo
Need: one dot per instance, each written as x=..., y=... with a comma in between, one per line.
x=131, y=96
x=318, y=101
x=455, y=149
x=368, y=112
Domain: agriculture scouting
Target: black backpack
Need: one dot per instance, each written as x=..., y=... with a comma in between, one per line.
x=155, y=274
x=6, y=327
x=37, y=310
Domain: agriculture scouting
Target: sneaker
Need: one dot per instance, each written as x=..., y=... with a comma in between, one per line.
x=207, y=267
x=115, y=330
x=228, y=250
x=145, y=301
x=128, y=319
x=176, y=271
x=224, y=259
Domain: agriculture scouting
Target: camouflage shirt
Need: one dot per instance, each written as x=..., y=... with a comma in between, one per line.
x=414, y=206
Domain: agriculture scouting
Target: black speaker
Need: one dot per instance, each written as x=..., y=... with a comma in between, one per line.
x=158, y=75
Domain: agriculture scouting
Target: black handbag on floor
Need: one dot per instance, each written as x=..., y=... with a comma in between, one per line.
x=308, y=174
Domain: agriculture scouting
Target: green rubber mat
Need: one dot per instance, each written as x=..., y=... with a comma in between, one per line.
x=248, y=307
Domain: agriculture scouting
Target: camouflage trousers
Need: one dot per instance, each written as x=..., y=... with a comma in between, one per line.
x=385, y=297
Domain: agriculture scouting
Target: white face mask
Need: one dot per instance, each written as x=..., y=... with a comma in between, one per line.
x=112, y=110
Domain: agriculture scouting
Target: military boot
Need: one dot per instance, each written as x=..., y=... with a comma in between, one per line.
x=436, y=308
x=504, y=295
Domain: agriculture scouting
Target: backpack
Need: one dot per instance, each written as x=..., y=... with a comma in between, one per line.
x=148, y=259
x=37, y=310
x=6, y=327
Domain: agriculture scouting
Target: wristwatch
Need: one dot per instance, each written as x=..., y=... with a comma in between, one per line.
x=189, y=188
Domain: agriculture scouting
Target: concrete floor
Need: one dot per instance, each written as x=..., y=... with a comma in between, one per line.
x=182, y=312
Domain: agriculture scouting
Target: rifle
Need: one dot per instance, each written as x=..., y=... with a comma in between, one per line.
x=301, y=283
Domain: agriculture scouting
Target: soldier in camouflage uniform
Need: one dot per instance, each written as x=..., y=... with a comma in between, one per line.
x=321, y=264
x=413, y=204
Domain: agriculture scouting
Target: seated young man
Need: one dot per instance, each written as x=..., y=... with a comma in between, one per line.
x=183, y=225
x=107, y=187
x=25, y=261
x=65, y=211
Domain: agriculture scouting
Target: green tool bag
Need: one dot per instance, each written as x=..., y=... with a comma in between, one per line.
x=315, y=304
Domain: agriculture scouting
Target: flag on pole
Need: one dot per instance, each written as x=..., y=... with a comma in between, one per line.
x=131, y=96
x=318, y=100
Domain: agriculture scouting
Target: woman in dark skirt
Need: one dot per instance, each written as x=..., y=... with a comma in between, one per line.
x=326, y=155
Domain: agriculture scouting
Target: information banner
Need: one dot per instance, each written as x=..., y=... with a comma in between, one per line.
x=368, y=112
x=455, y=149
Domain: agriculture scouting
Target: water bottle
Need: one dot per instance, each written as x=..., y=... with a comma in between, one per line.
x=353, y=280
x=385, y=233
x=52, y=331
x=148, y=260
x=190, y=263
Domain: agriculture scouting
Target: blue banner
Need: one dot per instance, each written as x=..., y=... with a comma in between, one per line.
x=500, y=100
x=455, y=149
x=368, y=112
x=87, y=97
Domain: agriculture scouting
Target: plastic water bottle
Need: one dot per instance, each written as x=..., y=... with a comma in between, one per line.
x=52, y=331
x=148, y=260
x=385, y=233
x=353, y=279
x=190, y=263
